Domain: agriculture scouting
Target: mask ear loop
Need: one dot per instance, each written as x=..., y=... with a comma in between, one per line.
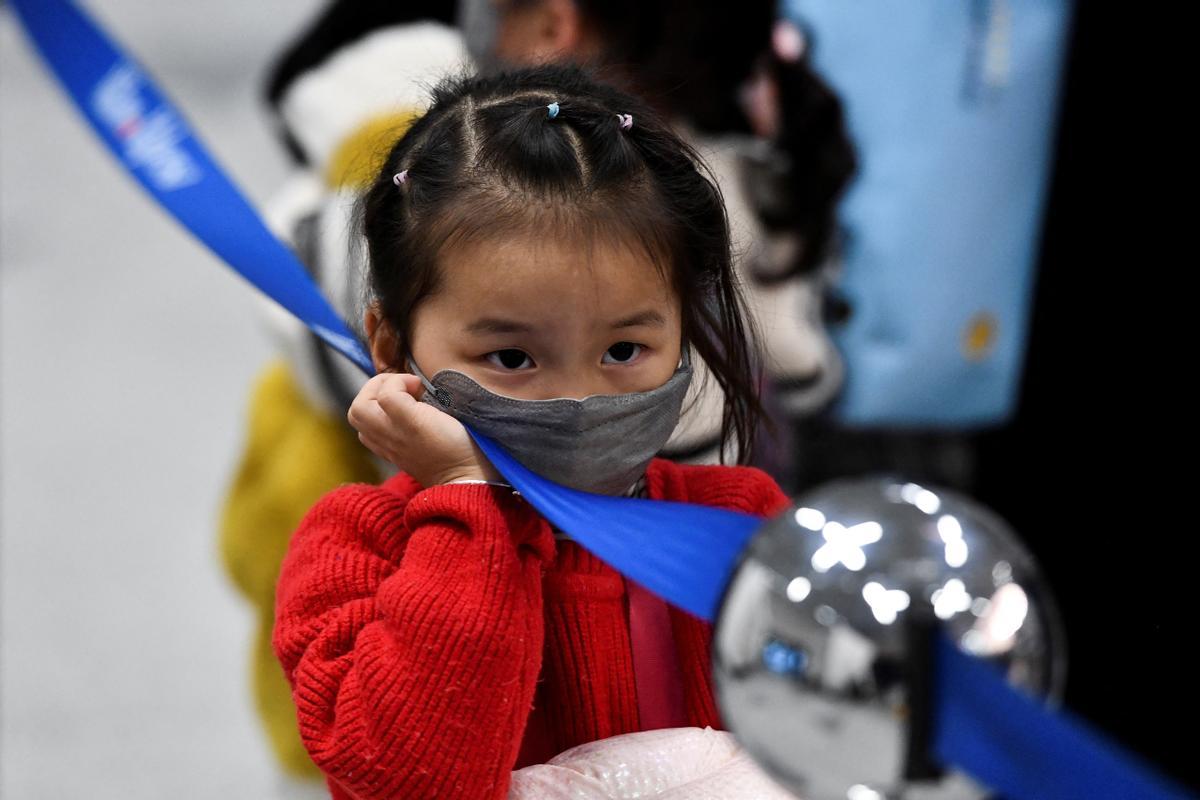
x=443, y=397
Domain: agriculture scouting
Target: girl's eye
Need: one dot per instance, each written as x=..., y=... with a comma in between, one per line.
x=622, y=353
x=510, y=358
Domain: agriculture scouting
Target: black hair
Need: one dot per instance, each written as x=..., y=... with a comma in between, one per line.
x=692, y=60
x=489, y=156
x=688, y=59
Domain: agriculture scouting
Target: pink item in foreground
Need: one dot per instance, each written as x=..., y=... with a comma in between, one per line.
x=670, y=764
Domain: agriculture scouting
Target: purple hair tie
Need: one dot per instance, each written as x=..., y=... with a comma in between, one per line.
x=626, y=121
x=400, y=178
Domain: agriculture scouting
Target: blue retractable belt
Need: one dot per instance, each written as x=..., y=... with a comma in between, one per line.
x=684, y=553
x=1011, y=743
x=153, y=142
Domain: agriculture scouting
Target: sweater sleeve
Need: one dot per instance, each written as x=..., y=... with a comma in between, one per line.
x=746, y=489
x=411, y=633
x=766, y=498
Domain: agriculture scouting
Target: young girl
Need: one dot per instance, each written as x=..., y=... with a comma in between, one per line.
x=542, y=249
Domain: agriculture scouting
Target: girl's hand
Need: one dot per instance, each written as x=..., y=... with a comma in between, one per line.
x=430, y=445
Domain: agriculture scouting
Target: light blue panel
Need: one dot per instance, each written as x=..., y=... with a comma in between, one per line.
x=952, y=105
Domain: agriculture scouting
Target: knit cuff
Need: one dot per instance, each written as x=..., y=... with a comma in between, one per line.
x=477, y=506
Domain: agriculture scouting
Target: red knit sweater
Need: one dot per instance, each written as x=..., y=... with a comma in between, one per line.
x=436, y=639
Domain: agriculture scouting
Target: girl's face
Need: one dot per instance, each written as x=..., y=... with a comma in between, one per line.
x=538, y=320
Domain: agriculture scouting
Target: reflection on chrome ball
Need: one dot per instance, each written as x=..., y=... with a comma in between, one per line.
x=813, y=647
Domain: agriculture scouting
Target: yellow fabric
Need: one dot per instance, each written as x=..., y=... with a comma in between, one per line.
x=294, y=454
x=360, y=155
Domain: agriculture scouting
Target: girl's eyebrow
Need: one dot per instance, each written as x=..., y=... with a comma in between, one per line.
x=649, y=317
x=495, y=325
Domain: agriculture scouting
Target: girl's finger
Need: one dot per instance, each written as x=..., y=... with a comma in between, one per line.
x=412, y=384
x=396, y=403
x=371, y=388
x=367, y=414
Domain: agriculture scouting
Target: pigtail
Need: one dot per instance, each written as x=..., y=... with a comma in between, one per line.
x=387, y=216
x=530, y=134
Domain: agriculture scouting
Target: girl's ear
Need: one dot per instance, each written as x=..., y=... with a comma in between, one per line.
x=381, y=339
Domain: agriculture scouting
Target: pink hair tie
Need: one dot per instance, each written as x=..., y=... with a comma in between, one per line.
x=400, y=178
x=787, y=40
x=626, y=121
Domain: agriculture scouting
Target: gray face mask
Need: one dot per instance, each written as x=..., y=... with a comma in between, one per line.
x=600, y=444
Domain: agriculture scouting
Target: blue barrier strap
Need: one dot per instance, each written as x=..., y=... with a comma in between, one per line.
x=682, y=552
x=1017, y=746
x=148, y=135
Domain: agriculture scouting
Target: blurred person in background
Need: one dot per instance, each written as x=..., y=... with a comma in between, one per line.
x=734, y=81
x=953, y=109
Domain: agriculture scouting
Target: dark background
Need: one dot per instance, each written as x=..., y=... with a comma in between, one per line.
x=1094, y=469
